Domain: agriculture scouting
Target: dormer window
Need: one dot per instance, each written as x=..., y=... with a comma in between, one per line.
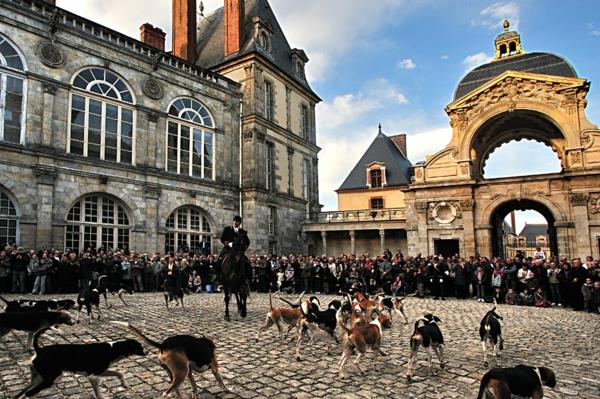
x=262, y=34
x=376, y=179
x=299, y=60
x=376, y=175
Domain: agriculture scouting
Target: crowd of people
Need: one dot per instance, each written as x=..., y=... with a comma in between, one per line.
x=528, y=281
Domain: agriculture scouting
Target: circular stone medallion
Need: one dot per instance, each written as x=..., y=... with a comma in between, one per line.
x=50, y=54
x=444, y=213
x=153, y=88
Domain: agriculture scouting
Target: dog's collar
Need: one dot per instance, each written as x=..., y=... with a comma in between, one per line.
x=537, y=372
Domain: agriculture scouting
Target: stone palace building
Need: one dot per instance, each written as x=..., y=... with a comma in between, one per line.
x=107, y=141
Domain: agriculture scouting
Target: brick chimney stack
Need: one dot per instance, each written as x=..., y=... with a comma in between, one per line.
x=152, y=36
x=400, y=141
x=234, y=26
x=184, y=29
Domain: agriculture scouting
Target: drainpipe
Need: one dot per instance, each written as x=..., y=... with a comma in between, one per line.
x=241, y=142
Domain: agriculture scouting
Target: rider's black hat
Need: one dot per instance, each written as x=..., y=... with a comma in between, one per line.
x=237, y=218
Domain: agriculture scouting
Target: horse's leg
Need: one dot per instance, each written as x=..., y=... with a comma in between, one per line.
x=227, y=297
x=238, y=301
x=243, y=298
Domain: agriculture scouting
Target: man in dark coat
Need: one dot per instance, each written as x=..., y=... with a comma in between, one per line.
x=236, y=236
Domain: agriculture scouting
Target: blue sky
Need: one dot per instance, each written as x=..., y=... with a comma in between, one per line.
x=398, y=62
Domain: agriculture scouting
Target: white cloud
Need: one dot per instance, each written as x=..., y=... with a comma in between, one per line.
x=346, y=108
x=595, y=32
x=444, y=57
x=406, y=63
x=474, y=60
x=492, y=16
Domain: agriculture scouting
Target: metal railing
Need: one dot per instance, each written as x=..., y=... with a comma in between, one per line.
x=527, y=251
x=361, y=215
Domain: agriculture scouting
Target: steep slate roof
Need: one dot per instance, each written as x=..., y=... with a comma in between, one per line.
x=530, y=231
x=543, y=63
x=211, y=45
x=382, y=149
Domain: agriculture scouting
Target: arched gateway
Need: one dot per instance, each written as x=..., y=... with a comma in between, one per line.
x=517, y=95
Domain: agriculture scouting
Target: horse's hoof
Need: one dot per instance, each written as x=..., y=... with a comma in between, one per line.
x=243, y=314
x=227, y=318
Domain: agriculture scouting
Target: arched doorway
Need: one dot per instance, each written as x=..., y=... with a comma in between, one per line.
x=497, y=220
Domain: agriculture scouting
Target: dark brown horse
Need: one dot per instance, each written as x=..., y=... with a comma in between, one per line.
x=233, y=275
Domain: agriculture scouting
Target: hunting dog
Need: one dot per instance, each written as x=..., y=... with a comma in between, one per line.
x=318, y=320
x=92, y=360
x=521, y=380
x=367, y=305
x=430, y=336
x=32, y=322
x=180, y=355
x=289, y=316
x=490, y=331
x=361, y=338
x=392, y=305
x=90, y=299
x=105, y=286
x=27, y=305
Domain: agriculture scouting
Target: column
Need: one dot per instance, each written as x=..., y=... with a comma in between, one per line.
x=468, y=227
x=579, y=203
x=48, y=114
x=352, y=242
x=382, y=240
x=45, y=178
x=324, y=238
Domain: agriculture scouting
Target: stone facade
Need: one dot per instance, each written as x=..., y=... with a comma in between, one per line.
x=44, y=180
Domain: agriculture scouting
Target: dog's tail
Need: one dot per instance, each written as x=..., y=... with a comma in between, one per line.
x=484, y=381
x=3, y=300
x=338, y=316
x=270, y=301
x=36, y=336
x=139, y=334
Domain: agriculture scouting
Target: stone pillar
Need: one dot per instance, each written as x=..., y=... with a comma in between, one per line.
x=324, y=238
x=382, y=240
x=484, y=240
x=563, y=240
x=422, y=230
x=468, y=227
x=47, y=115
x=579, y=203
x=45, y=203
x=352, y=242
x=153, y=222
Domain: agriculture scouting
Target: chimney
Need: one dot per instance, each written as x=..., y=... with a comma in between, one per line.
x=234, y=26
x=184, y=29
x=400, y=141
x=152, y=36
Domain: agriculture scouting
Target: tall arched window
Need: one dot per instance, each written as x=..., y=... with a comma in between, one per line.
x=190, y=139
x=12, y=93
x=97, y=221
x=101, y=117
x=9, y=222
x=188, y=230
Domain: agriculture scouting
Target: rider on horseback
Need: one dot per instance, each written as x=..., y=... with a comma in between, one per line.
x=234, y=236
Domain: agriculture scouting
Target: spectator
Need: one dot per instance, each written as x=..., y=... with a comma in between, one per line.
x=39, y=287
x=587, y=291
x=4, y=272
x=596, y=296
x=525, y=298
x=512, y=298
x=194, y=283
x=540, y=300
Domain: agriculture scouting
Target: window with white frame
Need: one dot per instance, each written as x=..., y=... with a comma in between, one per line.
x=188, y=230
x=190, y=139
x=270, y=166
x=304, y=122
x=269, y=101
x=9, y=221
x=12, y=93
x=97, y=221
x=272, y=220
x=101, y=117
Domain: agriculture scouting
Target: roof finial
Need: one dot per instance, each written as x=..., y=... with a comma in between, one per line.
x=506, y=24
x=201, y=9
x=379, y=127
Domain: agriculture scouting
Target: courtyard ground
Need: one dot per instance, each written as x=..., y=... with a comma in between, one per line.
x=564, y=340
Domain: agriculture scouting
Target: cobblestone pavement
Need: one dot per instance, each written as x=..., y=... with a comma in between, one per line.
x=561, y=339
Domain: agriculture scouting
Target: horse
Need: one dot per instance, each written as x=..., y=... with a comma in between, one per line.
x=233, y=276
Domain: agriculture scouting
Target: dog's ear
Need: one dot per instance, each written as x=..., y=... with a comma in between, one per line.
x=437, y=319
x=548, y=377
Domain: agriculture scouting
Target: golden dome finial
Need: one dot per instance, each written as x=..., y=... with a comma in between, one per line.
x=506, y=25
